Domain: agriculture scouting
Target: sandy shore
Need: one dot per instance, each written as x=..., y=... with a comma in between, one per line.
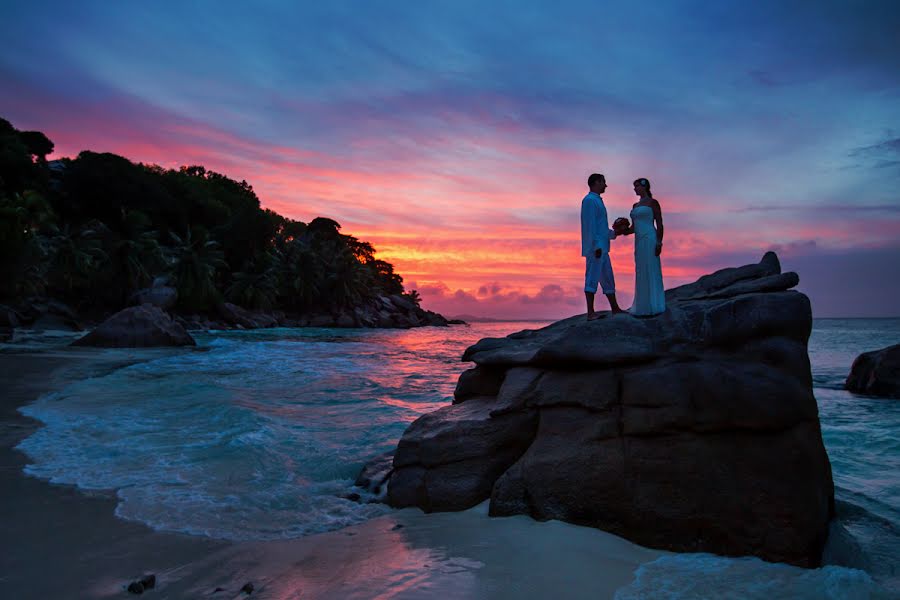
x=61, y=542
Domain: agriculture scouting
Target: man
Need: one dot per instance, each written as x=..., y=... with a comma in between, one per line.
x=595, y=236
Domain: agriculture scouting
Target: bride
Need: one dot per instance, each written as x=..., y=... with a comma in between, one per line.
x=647, y=227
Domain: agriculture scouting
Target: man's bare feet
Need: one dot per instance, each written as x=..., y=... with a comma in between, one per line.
x=593, y=316
x=618, y=311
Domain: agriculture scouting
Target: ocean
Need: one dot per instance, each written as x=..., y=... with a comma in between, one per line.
x=258, y=435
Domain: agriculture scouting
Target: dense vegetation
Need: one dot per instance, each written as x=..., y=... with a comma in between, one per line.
x=93, y=230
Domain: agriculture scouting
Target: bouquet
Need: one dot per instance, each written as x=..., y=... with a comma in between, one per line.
x=621, y=225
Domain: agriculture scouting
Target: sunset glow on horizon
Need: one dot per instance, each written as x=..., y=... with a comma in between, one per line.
x=462, y=154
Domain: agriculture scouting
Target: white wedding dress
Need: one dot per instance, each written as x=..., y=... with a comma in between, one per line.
x=649, y=294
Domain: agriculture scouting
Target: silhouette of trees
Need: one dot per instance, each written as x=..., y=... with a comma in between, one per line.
x=95, y=229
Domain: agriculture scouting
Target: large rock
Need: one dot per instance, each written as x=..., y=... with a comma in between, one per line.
x=238, y=316
x=48, y=314
x=876, y=373
x=137, y=327
x=695, y=430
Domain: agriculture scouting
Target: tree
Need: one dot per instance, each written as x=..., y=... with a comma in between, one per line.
x=256, y=287
x=75, y=257
x=195, y=260
x=38, y=144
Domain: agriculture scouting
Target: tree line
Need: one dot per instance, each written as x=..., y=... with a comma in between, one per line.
x=93, y=230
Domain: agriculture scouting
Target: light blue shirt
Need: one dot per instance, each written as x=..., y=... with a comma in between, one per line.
x=595, y=231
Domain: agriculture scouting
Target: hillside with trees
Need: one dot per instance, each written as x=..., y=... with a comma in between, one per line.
x=98, y=233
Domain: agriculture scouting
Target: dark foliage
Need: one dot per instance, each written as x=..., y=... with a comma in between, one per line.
x=95, y=229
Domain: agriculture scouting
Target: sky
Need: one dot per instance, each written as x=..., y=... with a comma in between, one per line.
x=457, y=136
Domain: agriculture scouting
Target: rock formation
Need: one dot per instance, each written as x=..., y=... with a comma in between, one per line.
x=137, y=327
x=694, y=430
x=876, y=373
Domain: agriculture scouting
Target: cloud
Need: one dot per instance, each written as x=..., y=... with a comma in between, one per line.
x=551, y=301
x=457, y=136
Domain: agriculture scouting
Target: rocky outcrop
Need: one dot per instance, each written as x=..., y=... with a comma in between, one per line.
x=396, y=311
x=247, y=319
x=137, y=327
x=694, y=430
x=49, y=314
x=876, y=373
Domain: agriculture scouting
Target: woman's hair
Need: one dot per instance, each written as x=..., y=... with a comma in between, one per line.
x=645, y=183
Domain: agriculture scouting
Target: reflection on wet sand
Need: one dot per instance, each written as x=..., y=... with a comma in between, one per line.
x=413, y=555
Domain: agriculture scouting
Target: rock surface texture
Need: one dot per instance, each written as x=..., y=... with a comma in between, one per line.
x=695, y=430
x=876, y=373
x=137, y=327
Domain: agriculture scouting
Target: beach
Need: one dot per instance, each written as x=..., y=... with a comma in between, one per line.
x=64, y=542
x=233, y=463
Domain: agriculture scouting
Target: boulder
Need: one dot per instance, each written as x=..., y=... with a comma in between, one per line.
x=51, y=314
x=449, y=459
x=694, y=430
x=404, y=303
x=345, y=320
x=137, y=327
x=246, y=319
x=434, y=319
x=876, y=373
x=320, y=320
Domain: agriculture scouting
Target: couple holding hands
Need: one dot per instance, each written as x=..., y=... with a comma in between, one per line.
x=647, y=227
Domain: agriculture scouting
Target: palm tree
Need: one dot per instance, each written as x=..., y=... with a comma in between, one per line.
x=346, y=280
x=256, y=286
x=194, y=263
x=301, y=276
x=75, y=256
x=136, y=251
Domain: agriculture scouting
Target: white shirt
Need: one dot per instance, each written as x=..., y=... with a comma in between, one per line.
x=595, y=231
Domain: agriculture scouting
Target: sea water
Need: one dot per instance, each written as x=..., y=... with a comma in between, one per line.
x=259, y=435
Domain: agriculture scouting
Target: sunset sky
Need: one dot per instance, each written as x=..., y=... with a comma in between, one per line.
x=457, y=136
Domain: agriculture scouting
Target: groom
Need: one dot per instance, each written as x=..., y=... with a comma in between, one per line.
x=595, y=236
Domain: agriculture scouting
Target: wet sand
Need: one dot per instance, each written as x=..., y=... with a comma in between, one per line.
x=62, y=542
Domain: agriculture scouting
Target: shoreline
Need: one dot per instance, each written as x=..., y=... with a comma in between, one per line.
x=63, y=541
x=60, y=537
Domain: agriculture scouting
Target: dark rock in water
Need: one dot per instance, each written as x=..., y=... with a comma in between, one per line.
x=320, y=320
x=433, y=318
x=695, y=430
x=137, y=327
x=344, y=320
x=47, y=314
x=248, y=588
x=375, y=473
x=135, y=587
x=247, y=319
x=876, y=373
x=352, y=497
x=148, y=581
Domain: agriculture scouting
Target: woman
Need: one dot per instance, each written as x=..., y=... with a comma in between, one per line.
x=647, y=227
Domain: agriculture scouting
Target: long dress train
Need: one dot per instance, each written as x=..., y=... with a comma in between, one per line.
x=649, y=294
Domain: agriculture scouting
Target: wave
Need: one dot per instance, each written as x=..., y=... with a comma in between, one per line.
x=698, y=576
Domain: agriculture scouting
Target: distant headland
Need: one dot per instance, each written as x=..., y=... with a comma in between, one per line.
x=83, y=238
